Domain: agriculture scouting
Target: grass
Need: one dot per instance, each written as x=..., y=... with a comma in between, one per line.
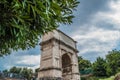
x=98, y=78
x=110, y=78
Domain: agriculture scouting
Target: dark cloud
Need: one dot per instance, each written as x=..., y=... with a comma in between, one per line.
x=84, y=14
x=88, y=8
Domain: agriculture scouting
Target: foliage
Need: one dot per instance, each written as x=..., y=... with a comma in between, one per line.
x=23, y=21
x=83, y=64
x=110, y=78
x=5, y=72
x=99, y=67
x=102, y=68
x=113, y=62
x=37, y=70
x=108, y=66
x=15, y=70
x=93, y=78
x=27, y=73
x=90, y=78
x=24, y=72
x=101, y=78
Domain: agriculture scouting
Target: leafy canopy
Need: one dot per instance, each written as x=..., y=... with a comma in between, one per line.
x=83, y=64
x=113, y=60
x=99, y=67
x=22, y=21
x=19, y=72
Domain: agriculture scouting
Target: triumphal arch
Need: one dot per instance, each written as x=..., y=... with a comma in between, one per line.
x=59, y=60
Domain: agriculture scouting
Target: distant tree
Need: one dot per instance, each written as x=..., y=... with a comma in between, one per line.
x=113, y=62
x=20, y=72
x=99, y=67
x=27, y=73
x=0, y=74
x=83, y=64
x=36, y=71
x=15, y=70
x=5, y=72
x=23, y=21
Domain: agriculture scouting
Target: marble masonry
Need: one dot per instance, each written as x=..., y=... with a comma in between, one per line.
x=59, y=59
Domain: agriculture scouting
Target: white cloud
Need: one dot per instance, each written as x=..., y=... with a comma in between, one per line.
x=21, y=59
x=29, y=60
x=97, y=40
x=33, y=68
x=100, y=34
x=94, y=38
x=112, y=16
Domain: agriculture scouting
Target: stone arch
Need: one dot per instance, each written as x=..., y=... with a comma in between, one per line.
x=66, y=65
x=58, y=57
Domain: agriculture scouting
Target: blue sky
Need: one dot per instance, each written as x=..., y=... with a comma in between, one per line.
x=96, y=28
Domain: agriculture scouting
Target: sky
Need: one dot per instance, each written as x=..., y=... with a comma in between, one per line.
x=96, y=28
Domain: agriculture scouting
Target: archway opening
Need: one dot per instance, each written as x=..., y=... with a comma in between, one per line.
x=66, y=65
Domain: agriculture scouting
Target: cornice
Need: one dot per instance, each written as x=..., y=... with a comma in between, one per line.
x=60, y=42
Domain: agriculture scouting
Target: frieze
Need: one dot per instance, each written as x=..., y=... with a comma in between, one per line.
x=60, y=42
